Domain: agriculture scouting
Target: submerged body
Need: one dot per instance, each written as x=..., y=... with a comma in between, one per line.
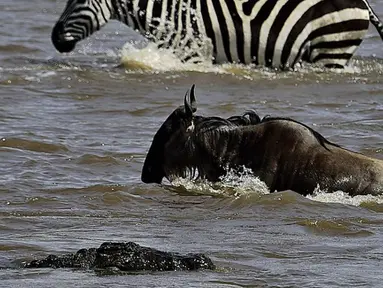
x=263, y=32
x=286, y=155
x=283, y=153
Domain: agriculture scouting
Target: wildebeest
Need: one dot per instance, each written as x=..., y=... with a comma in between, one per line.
x=283, y=153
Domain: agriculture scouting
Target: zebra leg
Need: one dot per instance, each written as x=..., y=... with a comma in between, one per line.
x=194, y=50
x=333, y=66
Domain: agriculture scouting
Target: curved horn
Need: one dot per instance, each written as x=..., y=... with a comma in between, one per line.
x=187, y=105
x=190, y=102
x=192, y=98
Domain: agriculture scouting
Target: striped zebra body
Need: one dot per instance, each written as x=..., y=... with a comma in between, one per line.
x=274, y=33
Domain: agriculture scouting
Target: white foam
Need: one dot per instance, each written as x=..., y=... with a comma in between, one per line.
x=232, y=184
x=153, y=59
x=156, y=60
x=245, y=183
x=344, y=198
x=40, y=75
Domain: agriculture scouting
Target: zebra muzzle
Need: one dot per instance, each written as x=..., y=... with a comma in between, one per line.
x=60, y=39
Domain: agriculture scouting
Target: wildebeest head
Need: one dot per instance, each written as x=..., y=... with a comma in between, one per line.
x=188, y=145
x=169, y=141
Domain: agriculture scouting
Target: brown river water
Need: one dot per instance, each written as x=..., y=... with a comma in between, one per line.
x=75, y=129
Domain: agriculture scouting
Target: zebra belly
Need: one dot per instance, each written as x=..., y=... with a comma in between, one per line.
x=278, y=34
x=333, y=38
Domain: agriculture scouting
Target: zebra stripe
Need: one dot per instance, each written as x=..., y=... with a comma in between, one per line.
x=317, y=23
x=264, y=32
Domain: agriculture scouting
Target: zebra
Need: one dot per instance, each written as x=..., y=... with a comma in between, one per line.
x=272, y=33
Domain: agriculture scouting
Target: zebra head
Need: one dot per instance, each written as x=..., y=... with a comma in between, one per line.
x=80, y=19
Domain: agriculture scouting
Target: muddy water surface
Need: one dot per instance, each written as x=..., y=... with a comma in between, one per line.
x=73, y=136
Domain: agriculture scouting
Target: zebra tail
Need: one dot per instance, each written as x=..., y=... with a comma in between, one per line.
x=375, y=19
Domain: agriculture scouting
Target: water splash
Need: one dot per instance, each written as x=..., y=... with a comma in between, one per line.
x=344, y=198
x=236, y=185
x=155, y=60
x=151, y=58
x=231, y=184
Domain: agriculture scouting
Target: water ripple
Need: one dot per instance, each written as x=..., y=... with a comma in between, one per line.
x=32, y=145
x=88, y=159
x=334, y=228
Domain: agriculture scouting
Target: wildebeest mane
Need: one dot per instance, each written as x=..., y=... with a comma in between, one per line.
x=248, y=118
x=321, y=139
x=206, y=124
